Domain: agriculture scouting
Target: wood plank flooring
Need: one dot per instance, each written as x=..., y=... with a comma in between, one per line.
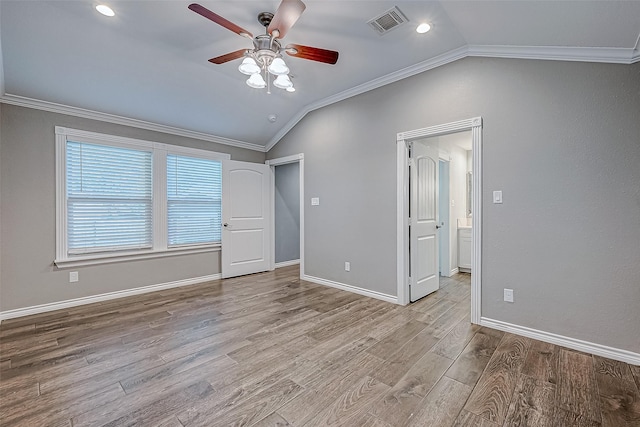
x=271, y=350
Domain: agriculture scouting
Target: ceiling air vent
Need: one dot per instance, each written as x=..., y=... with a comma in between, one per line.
x=388, y=21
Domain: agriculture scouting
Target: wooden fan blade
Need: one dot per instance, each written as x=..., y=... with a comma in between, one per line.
x=312, y=53
x=287, y=14
x=201, y=10
x=228, y=57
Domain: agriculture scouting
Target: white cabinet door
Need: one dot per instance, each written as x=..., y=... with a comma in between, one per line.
x=464, y=248
x=246, y=190
x=423, y=211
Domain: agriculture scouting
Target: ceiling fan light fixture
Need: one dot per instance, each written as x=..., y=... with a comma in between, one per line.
x=283, y=82
x=256, y=81
x=264, y=64
x=249, y=66
x=278, y=67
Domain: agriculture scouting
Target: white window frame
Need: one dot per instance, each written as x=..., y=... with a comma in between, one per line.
x=159, y=159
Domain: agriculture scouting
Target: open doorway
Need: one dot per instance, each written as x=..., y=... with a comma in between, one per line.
x=287, y=211
x=455, y=202
x=439, y=212
x=405, y=142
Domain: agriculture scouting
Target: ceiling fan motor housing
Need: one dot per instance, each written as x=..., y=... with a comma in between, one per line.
x=266, y=48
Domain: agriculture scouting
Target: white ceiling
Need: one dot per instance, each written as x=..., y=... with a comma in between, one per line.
x=149, y=62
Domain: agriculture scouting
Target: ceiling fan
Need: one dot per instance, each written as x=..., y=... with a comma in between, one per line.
x=266, y=55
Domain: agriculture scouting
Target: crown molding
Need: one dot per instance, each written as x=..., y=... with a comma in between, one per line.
x=445, y=58
x=549, y=53
x=37, y=104
x=610, y=55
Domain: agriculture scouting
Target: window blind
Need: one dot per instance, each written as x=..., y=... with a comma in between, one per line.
x=194, y=196
x=109, y=198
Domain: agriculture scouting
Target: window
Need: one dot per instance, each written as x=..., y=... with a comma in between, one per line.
x=120, y=198
x=109, y=200
x=194, y=200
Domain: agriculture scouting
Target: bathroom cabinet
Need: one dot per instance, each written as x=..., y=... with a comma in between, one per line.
x=464, y=249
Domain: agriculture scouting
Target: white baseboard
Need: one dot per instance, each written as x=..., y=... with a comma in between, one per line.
x=37, y=309
x=287, y=263
x=576, y=344
x=350, y=288
x=454, y=271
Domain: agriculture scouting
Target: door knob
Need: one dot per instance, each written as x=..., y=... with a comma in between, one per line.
x=225, y=224
x=438, y=226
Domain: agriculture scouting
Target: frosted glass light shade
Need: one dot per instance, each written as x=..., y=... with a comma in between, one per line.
x=105, y=10
x=282, y=82
x=249, y=67
x=278, y=67
x=256, y=81
x=291, y=89
x=423, y=28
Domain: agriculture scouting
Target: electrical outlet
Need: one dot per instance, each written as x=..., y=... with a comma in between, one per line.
x=73, y=276
x=347, y=266
x=315, y=201
x=508, y=295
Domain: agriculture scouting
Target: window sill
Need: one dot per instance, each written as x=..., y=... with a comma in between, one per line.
x=88, y=260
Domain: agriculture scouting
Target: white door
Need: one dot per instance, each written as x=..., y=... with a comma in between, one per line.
x=246, y=241
x=424, y=219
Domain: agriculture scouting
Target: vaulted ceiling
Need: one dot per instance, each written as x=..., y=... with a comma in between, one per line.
x=150, y=61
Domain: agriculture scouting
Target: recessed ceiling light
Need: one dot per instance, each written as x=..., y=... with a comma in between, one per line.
x=105, y=10
x=423, y=28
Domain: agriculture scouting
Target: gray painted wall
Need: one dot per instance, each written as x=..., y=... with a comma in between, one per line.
x=561, y=140
x=28, y=218
x=1, y=189
x=287, y=210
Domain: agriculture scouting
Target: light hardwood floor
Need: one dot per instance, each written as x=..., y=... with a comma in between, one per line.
x=270, y=350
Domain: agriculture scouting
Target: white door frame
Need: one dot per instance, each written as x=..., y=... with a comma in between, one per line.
x=296, y=158
x=402, y=199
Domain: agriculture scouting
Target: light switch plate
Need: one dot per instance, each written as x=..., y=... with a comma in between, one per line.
x=315, y=201
x=508, y=295
x=497, y=196
x=73, y=276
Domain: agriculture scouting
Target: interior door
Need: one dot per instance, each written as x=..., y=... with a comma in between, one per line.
x=424, y=219
x=246, y=242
